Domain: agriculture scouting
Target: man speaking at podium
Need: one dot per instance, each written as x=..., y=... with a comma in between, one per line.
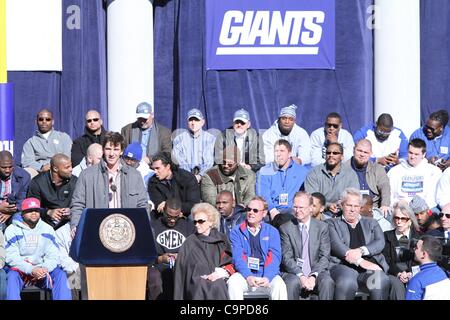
x=108, y=184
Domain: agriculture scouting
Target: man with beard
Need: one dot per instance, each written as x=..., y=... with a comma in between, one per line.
x=247, y=140
x=54, y=189
x=93, y=133
x=389, y=143
x=436, y=135
x=331, y=178
x=230, y=213
x=286, y=128
x=152, y=136
x=193, y=149
x=231, y=176
x=331, y=132
x=372, y=177
x=32, y=254
x=277, y=182
x=170, y=231
x=45, y=143
x=14, y=182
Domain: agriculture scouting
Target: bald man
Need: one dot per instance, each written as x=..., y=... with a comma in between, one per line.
x=94, y=132
x=44, y=144
x=372, y=177
x=93, y=156
x=54, y=189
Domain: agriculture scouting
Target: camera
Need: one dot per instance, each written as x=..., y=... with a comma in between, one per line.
x=405, y=252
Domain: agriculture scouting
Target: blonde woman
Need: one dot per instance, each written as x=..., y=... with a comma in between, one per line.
x=397, y=243
x=204, y=260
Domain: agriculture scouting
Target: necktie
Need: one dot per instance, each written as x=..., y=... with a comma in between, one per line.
x=306, y=269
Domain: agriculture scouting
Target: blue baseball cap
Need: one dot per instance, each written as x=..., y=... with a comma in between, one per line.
x=143, y=110
x=195, y=113
x=242, y=115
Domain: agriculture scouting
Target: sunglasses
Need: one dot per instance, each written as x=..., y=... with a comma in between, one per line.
x=442, y=214
x=92, y=120
x=383, y=133
x=199, y=221
x=329, y=125
x=44, y=119
x=402, y=219
x=228, y=164
x=248, y=209
x=431, y=128
x=334, y=153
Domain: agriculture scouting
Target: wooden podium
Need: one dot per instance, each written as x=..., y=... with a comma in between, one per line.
x=108, y=273
x=116, y=283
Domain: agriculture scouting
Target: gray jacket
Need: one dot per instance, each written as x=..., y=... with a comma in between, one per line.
x=319, y=180
x=214, y=181
x=291, y=245
x=378, y=183
x=92, y=187
x=340, y=240
x=37, y=151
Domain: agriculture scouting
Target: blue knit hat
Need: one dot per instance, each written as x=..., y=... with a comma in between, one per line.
x=133, y=151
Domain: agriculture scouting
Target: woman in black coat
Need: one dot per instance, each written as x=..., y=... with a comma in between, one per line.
x=204, y=260
x=399, y=248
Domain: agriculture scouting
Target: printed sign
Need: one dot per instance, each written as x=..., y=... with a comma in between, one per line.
x=270, y=34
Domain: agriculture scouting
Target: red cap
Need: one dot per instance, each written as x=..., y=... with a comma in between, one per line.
x=30, y=203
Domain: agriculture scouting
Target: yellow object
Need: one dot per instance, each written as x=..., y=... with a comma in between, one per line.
x=3, y=70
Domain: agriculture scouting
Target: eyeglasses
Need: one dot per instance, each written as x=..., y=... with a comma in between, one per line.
x=248, y=209
x=228, y=164
x=174, y=218
x=44, y=119
x=442, y=214
x=334, y=153
x=92, y=120
x=329, y=125
x=199, y=221
x=402, y=219
x=239, y=122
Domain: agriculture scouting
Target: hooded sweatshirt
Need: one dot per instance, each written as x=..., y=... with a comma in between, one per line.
x=28, y=248
x=407, y=181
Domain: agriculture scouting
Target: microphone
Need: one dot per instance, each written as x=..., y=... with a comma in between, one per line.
x=113, y=186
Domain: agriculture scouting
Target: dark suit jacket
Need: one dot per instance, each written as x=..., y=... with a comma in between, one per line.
x=340, y=240
x=184, y=185
x=390, y=254
x=291, y=246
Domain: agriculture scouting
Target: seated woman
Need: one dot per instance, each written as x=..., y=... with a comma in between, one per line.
x=204, y=260
x=398, y=249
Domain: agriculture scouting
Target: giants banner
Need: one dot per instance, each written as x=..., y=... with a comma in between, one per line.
x=270, y=34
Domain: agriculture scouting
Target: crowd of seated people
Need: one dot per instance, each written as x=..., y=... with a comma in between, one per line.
x=285, y=214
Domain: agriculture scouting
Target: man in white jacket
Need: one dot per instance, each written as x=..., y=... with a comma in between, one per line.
x=286, y=128
x=414, y=176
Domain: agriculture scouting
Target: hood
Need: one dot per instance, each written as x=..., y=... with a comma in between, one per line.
x=18, y=222
x=404, y=163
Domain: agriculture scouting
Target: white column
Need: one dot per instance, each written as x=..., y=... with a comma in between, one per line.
x=130, y=59
x=397, y=62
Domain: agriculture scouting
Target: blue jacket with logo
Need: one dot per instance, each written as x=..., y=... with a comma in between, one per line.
x=430, y=273
x=270, y=245
x=272, y=181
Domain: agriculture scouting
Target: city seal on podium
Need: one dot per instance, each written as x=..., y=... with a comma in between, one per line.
x=117, y=233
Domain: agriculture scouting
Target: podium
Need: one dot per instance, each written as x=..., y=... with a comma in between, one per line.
x=114, y=246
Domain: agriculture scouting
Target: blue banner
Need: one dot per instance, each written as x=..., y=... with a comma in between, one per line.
x=270, y=34
x=7, y=117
